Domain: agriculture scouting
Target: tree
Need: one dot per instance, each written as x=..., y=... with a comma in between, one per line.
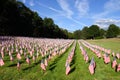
x=85, y=33
x=112, y=31
x=94, y=31
x=102, y=33
x=77, y=34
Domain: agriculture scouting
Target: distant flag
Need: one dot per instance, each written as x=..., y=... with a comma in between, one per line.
x=1, y=62
x=24, y=54
x=2, y=52
x=108, y=51
x=18, y=56
x=28, y=60
x=118, y=67
x=42, y=65
x=18, y=65
x=34, y=58
x=106, y=58
x=46, y=62
x=11, y=58
x=113, y=54
x=118, y=55
x=114, y=63
x=92, y=66
x=86, y=58
x=67, y=68
x=49, y=57
x=37, y=54
x=9, y=53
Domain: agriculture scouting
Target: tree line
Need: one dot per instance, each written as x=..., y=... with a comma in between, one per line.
x=18, y=20
x=95, y=32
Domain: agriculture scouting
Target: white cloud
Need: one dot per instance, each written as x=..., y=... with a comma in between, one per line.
x=109, y=7
x=53, y=9
x=62, y=13
x=106, y=22
x=65, y=7
x=31, y=3
x=82, y=6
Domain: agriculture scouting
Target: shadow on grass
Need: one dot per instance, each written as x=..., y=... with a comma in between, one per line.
x=72, y=70
x=36, y=63
x=32, y=65
x=29, y=67
x=12, y=65
x=15, y=64
x=52, y=67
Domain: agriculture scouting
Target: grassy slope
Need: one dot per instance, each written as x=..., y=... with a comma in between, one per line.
x=113, y=44
x=56, y=68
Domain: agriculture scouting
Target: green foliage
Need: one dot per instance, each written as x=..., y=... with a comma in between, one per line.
x=77, y=34
x=85, y=33
x=94, y=31
x=112, y=31
x=18, y=20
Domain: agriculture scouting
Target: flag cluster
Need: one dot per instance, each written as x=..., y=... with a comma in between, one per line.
x=69, y=60
x=101, y=53
x=30, y=49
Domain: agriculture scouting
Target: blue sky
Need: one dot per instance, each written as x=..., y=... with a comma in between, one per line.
x=75, y=14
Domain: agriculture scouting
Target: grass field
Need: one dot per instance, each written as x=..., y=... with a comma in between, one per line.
x=113, y=43
x=56, y=68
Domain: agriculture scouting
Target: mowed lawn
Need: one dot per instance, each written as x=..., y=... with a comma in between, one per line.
x=112, y=43
x=56, y=68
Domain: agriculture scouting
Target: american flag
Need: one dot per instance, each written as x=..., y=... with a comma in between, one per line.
x=1, y=62
x=11, y=58
x=18, y=56
x=113, y=54
x=42, y=65
x=18, y=65
x=118, y=67
x=28, y=60
x=34, y=58
x=92, y=66
x=118, y=55
x=67, y=69
x=114, y=63
x=106, y=58
x=46, y=62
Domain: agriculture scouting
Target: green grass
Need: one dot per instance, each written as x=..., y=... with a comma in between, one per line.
x=56, y=67
x=113, y=43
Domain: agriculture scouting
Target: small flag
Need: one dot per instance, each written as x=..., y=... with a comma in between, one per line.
x=34, y=58
x=42, y=65
x=46, y=62
x=28, y=60
x=18, y=65
x=1, y=62
x=18, y=56
x=114, y=63
x=118, y=68
x=92, y=66
x=106, y=58
x=113, y=54
x=11, y=58
x=67, y=69
x=118, y=55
